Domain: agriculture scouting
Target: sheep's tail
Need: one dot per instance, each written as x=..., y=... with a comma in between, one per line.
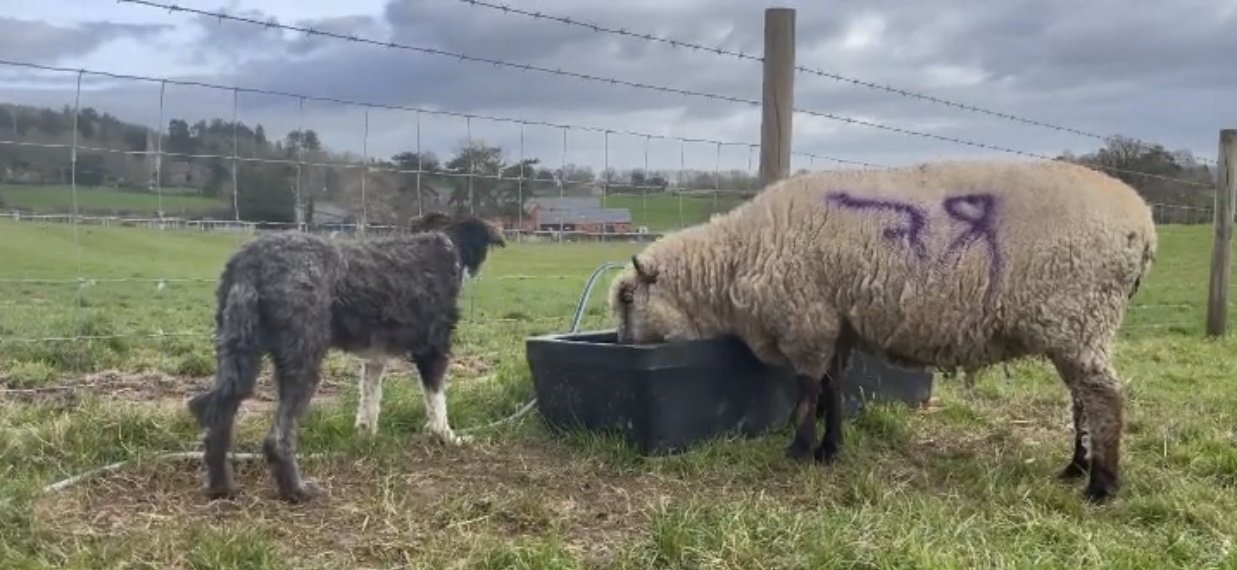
x=236, y=345
x=1148, y=257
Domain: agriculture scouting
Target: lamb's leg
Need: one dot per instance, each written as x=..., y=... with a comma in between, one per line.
x=1097, y=387
x=373, y=368
x=215, y=411
x=1080, y=464
x=432, y=366
x=297, y=380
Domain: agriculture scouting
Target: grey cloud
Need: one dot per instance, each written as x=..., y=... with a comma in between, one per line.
x=41, y=42
x=1103, y=67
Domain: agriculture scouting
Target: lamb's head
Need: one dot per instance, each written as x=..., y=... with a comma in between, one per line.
x=644, y=308
x=472, y=236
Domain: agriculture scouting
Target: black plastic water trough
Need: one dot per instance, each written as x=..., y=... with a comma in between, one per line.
x=665, y=397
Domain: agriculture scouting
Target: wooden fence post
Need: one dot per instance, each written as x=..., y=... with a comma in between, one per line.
x=1226, y=198
x=778, y=100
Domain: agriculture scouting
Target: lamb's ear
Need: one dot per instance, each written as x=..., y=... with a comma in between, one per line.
x=646, y=271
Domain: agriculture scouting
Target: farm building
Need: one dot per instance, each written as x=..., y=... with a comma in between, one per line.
x=575, y=214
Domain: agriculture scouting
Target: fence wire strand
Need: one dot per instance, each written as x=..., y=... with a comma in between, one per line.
x=741, y=55
x=637, y=85
x=394, y=107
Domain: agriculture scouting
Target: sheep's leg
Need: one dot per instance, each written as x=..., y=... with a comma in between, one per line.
x=1080, y=464
x=432, y=366
x=805, y=434
x=831, y=403
x=1099, y=390
x=297, y=380
x=968, y=379
x=372, y=370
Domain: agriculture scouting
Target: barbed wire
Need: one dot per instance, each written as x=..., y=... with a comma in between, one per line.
x=633, y=84
x=739, y=54
x=413, y=109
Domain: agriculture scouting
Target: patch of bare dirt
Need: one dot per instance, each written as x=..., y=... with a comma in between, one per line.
x=377, y=512
x=152, y=388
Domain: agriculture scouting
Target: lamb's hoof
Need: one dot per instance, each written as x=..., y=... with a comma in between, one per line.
x=307, y=491
x=826, y=454
x=220, y=492
x=366, y=428
x=1098, y=495
x=1101, y=488
x=1072, y=472
x=449, y=437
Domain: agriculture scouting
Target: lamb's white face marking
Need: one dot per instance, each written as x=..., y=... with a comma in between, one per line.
x=373, y=368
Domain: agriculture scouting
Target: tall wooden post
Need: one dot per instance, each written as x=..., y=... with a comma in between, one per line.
x=1221, y=250
x=778, y=101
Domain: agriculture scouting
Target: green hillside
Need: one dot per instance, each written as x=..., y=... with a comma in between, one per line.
x=96, y=200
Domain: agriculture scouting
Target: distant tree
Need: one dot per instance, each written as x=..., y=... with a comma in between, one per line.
x=179, y=139
x=477, y=166
x=265, y=193
x=1159, y=175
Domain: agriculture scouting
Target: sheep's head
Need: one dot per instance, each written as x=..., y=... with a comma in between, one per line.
x=643, y=306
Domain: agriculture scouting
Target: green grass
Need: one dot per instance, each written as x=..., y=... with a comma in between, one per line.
x=966, y=483
x=97, y=200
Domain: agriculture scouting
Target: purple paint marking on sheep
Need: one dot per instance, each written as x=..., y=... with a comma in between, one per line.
x=916, y=218
x=981, y=226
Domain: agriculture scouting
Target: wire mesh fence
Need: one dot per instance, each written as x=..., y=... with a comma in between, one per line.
x=115, y=239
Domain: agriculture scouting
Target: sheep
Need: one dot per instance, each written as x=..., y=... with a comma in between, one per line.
x=373, y=364
x=294, y=296
x=949, y=265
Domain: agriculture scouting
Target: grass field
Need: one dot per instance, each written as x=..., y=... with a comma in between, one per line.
x=965, y=483
x=657, y=212
x=59, y=199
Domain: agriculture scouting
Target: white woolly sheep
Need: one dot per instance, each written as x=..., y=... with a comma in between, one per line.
x=951, y=265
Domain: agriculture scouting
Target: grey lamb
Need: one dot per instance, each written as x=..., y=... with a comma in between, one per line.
x=294, y=296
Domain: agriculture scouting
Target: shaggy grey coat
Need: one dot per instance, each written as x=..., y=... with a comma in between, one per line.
x=948, y=265
x=294, y=296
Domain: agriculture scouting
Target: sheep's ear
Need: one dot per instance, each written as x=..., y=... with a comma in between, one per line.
x=644, y=270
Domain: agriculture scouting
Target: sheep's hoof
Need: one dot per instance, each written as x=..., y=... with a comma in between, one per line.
x=307, y=491
x=826, y=454
x=798, y=450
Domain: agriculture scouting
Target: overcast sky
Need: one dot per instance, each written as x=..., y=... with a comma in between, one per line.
x=1153, y=70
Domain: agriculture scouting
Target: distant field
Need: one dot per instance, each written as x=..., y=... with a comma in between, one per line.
x=967, y=482
x=661, y=212
x=657, y=212
x=97, y=200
